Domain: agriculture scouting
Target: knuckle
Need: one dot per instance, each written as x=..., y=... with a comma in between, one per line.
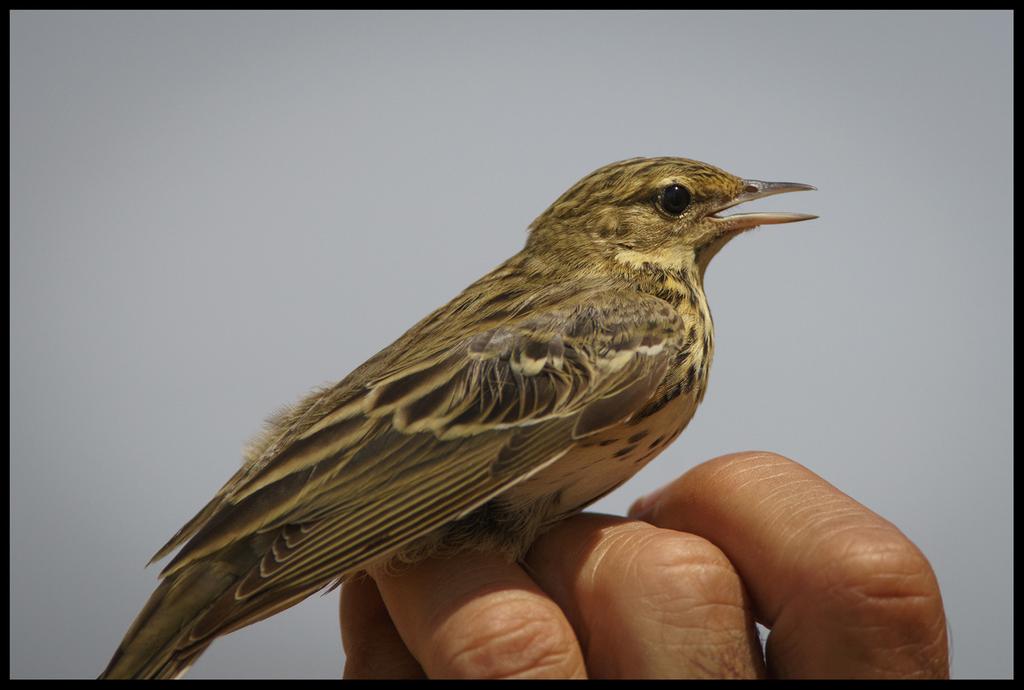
x=665, y=551
x=509, y=639
x=886, y=585
x=683, y=571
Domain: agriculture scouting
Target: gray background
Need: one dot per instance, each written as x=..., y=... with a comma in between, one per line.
x=212, y=213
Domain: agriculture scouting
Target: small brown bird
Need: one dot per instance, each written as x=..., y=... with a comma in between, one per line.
x=536, y=391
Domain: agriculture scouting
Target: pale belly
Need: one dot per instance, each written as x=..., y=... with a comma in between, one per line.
x=600, y=463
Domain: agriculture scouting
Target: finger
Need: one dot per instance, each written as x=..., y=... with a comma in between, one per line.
x=648, y=602
x=843, y=591
x=373, y=648
x=477, y=616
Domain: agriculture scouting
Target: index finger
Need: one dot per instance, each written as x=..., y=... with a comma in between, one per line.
x=844, y=593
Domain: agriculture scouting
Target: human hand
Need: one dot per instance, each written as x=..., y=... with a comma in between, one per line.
x=672, y=592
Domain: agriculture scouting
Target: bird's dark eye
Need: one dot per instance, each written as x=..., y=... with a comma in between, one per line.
x=675, y=198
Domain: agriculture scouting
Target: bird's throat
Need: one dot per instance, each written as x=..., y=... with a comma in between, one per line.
x=674, y=277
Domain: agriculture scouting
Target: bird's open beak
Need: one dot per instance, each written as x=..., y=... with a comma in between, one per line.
x=756, y=189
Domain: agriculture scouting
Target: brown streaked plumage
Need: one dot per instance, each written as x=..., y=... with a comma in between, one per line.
x=537, y=390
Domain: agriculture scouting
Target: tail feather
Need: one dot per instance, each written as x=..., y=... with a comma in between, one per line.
x=153, y=646
x=188, y=611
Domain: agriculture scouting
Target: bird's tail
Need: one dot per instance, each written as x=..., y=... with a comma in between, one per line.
x=157, y=645
x=192, y=607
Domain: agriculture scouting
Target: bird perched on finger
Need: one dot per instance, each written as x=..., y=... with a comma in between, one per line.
x=541, y=387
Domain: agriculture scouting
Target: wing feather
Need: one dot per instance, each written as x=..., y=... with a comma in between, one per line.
x=429, y=441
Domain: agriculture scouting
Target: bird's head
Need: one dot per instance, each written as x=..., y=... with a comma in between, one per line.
x=661, y=211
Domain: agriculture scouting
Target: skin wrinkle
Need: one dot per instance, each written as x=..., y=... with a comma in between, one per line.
x=612, y=538
x=871, y=638
x=440, y=614
x=706, y=632
x=822, y=529
x=694, y=591
x=533, y=645
x=830, y=529
x=811, y=551
x=666, y=604
x=493, y=598
x=887, y=607
x=638, y=580
x=750, y=465
x=879, y=582
x=780, y=510
x=592, y=572
x=496, y=610
x=787, y=493
x=672, y=554
x=790, y=493
x=852, y=553
x=753, y=479
x=924, y=648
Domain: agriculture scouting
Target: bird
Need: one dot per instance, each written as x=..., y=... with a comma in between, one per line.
x=536, y=391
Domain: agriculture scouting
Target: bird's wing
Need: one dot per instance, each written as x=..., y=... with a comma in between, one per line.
x=429, y=443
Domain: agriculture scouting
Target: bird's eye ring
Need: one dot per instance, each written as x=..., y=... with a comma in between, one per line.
x=674, y=199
